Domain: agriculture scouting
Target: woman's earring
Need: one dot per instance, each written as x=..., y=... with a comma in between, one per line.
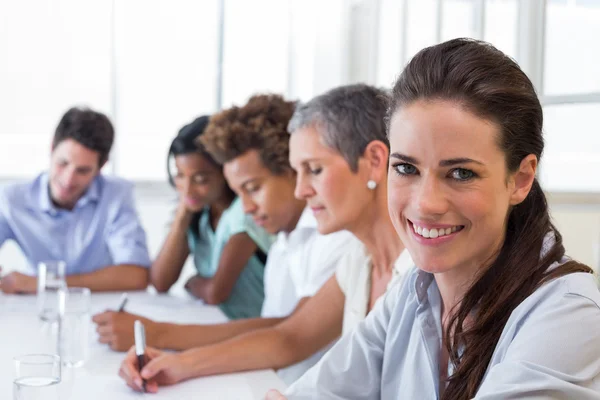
x=371, y=184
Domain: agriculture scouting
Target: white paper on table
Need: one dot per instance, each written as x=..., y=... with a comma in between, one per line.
x=162, y=307
x=92, y=387
x=18, y=304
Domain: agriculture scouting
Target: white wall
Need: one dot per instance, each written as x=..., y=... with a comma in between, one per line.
x=580, y=227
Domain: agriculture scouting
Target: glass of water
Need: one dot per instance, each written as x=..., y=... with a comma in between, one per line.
x=73, y=331
x=37, y=377
x=51, y=277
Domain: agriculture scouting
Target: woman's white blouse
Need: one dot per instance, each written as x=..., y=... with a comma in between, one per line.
x=353, y=275
x=548, y=349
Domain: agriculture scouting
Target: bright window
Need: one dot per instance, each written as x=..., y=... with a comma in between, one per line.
x=572, y=54
x=571, y=95
x=572, y=154
x=51, y=59
x=459, y=19
x=166, y=74
x=421, y=26
x=405, y=27
x=255, y=52
x=500, y=25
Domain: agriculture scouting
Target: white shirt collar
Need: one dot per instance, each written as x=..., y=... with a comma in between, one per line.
x=307, y=224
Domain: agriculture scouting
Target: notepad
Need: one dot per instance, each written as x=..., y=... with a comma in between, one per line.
x=101, y=387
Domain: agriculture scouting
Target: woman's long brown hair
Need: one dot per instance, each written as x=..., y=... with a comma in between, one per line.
x=484, y=81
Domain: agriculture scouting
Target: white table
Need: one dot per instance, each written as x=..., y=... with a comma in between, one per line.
x=21, y=332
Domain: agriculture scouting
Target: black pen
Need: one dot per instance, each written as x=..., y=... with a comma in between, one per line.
x=123, y=302
x=140, y=347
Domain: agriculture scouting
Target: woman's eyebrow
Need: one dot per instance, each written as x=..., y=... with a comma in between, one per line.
x=461, y=160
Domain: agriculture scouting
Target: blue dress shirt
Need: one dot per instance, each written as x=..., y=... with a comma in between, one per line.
x=548, y=349
x=102, y=229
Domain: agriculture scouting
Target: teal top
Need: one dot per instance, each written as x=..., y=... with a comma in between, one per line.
x=206, y=246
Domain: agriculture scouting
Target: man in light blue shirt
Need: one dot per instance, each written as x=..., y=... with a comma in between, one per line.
x=75, y=214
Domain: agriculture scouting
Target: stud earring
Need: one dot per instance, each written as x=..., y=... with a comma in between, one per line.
x=371, y=184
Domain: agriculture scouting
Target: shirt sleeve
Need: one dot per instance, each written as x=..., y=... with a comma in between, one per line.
x=126, y=238
x=324, y=258
x=352, y=368
x=555, y=354
x=6, y=232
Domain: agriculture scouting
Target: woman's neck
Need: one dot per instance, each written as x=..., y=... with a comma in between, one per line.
x=454, y=283
x=218, y=208
x=376, y=231
x=296, y=210
x=452, y=289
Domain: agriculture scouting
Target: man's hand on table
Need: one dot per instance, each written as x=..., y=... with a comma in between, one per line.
x=18, y=283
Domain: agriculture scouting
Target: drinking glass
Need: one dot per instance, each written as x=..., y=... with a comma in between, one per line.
x=37, y=377
x=51, y=278
x=73, y=330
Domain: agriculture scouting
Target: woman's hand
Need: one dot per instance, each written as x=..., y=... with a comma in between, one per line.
x=161, y=369
x=275, y=395
x=115, y=328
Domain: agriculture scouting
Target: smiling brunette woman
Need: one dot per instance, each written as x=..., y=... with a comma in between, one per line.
x=495, y=310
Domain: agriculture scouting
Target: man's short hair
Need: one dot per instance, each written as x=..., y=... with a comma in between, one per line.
x=87, y=127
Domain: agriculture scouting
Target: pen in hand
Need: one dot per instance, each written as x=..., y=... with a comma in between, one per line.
x=123, y=302
x=140, y=347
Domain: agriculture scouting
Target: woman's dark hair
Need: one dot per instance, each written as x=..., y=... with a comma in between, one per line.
x=185, y=143
x=487, y=83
